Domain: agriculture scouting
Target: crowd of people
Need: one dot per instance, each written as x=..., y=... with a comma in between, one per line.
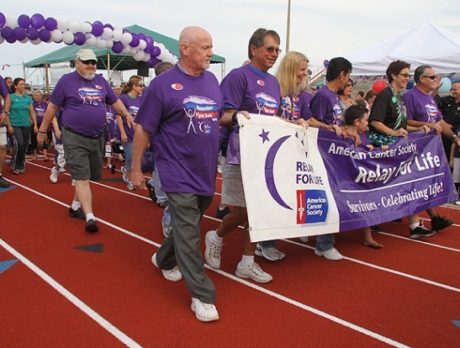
x=189, y=121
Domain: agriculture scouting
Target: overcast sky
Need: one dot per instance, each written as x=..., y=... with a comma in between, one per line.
x=320, y=29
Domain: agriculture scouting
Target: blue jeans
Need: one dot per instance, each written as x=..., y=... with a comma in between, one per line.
x=156, y=183
x=128, y=149
x=20, y=143
x=166, y=219
x=325, y=242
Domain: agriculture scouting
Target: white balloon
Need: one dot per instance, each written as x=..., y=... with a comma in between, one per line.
x=35, y=42
x=75, y=26
x=63, y=25
x=142, y=44
x=133, y=50
x=109, y=43
x=86, y=27
x=11, y=22
x=107, y=34
x=56, y=35
x=68, y=37
x=146, y=57
x=139, y=55
x=100, y=43
x=2, y=40
x=90, y=40
x=126, y=38
x=117, y=33
x=127, y=49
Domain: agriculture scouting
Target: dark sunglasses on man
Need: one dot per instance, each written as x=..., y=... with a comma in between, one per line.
x=90, y=61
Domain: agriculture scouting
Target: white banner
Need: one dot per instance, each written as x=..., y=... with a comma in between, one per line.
x=285, y=180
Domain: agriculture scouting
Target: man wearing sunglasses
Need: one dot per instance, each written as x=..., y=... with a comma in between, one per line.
x=422, y=110
x=83, y=96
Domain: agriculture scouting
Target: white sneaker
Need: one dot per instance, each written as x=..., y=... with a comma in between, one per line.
x=54, y=175
x=331, y=254
x=130, y=185
x=204, y=311
x=304, y=239
x=173, y=275
x=125, y=174
x=212, y=251
x=254, y=272
x=271, y=253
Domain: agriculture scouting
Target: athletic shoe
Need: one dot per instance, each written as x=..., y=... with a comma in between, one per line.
x=270, y=253
x=212, y=251
x=439, y=223
x=152, y=194
x=220, y=213
x=124, y=174
x=3, y=182
x=254, y=272
x=77, y=213
x=54, y=175
x=15, y=172
x=457, y=202
x=304, y=239
x=204, y=311
x=173, y=275
x=91, y=226
x=421, y=231
x=331, y=254
x=130, y=185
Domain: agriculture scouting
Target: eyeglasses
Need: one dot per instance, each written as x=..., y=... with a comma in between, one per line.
x=432, y=77
x=405, y=75
x=273, y=49
x=141, y=85
x=87, y=62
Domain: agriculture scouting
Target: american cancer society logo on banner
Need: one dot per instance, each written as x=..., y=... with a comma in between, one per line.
x=312, y=206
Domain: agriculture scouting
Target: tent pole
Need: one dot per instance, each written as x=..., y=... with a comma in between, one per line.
x=108, y=67
x=47, y=81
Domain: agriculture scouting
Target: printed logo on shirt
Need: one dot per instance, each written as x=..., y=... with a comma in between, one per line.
x=431, y=112
x=266, y=104
x=91, y=96
x=337, y=110
x=289, y=108
x=261, y=82
x=133, y=110
x=202, y=112
x=177, y=87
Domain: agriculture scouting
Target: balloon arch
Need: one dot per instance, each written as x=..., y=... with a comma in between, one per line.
x=37, y=29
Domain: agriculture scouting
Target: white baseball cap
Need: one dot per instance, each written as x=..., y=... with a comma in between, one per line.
x=86, y=54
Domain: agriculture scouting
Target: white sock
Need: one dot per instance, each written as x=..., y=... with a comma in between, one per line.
x=414, y=225
x=215, y=238
x=90, y=216
x=75, y=205
x=247, y=260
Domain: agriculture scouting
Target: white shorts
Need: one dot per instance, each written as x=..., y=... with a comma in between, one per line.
x=3, y=136
x=232, y=186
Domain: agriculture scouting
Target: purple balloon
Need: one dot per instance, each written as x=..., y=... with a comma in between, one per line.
x=134, y=42
x=98, y=28
x=80, y=38
x=32, y=33
x=149, y=40
x=37, y=20
x=50, y=24
x=2, y=20
x=19, y=33
x=24, y=21
x=108, y=25
x=156, y=51
x=44, y=35
x=7, y=32
x=152, y=62
x=10, y=39
x=117, y=47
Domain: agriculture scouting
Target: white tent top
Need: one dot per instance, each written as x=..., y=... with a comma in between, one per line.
x=425, y=44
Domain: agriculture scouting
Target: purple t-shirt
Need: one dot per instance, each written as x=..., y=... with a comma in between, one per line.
x=252, y=90
x=40, y=108
x=421, y=107
x=181, y=112
x=132, y=104
x=83, y=102
x=325, y=107
x=294, y=108
x=110, y=123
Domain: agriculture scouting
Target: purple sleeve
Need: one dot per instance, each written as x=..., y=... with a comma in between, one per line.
x=3, y=88
x=408, y=100
x=151, y=108
x=319, y=106
x=306, y=112
x=233, y=87
x=58, y=96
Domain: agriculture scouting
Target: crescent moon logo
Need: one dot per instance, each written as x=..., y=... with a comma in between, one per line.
x=269, y=175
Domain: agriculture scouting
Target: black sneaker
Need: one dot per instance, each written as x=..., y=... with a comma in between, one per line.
x=421, y=231
x=152, y=194
x=220, y=213
x=3, y=182
x=77, y=213
x=438, y=223
x=91, y=226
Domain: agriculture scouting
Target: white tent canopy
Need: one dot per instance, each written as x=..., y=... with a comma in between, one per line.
x=425, y=44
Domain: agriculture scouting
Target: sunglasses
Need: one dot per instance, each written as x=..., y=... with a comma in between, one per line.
x=87, y=62
x=273, y=49
x=432, y=77
x=405, y=75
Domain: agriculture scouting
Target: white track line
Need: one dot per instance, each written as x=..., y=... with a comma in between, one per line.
x=122, y=337
x=275, y=294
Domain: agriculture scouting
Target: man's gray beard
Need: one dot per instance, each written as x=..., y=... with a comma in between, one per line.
x=87, y=76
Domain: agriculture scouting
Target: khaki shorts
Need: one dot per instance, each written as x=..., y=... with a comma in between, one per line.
x=232, y=186
x=3, y=136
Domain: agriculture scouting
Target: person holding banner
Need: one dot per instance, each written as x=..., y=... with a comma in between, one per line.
x=248, y=89
x=388, y=121
x=422, y=110
x=328, y=114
